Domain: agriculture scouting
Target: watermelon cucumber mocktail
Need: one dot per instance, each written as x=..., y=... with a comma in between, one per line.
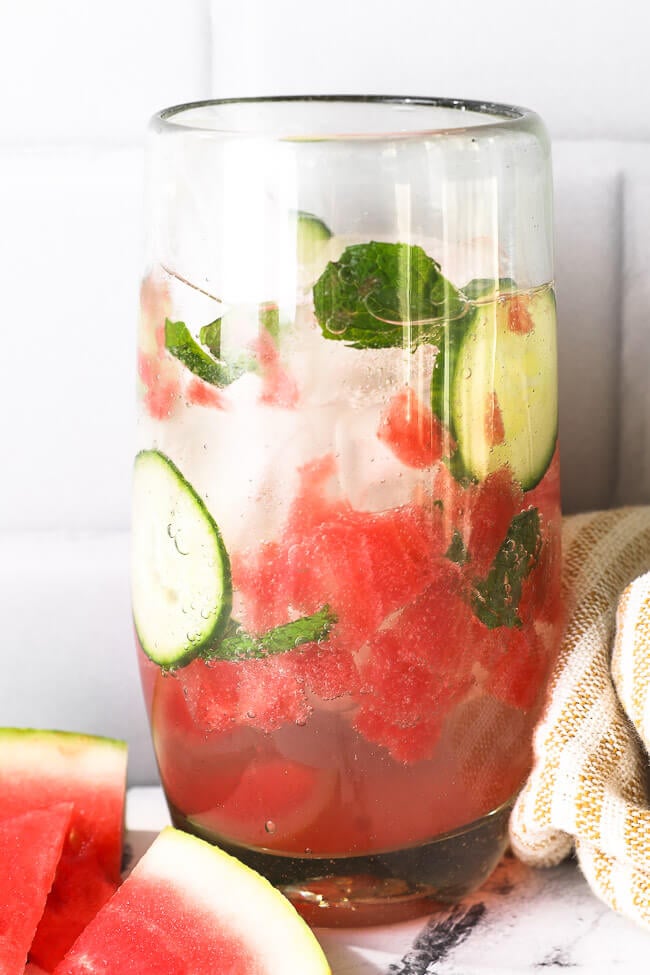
x=346, y=488
x=345, y=568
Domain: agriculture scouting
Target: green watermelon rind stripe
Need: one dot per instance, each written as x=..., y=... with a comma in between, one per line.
x=47, y=735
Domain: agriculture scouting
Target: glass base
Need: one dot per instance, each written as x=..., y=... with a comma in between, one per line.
x=385, y=887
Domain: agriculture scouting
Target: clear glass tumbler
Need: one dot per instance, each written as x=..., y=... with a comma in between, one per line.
x=346, y=519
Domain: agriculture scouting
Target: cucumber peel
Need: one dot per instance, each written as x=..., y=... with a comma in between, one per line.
x=448, y=340
x=181, y=580
x=479, y=288
x=312, y=247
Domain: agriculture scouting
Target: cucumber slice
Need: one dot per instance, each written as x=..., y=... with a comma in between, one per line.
x=181, y=583
x=503, y=395
x=312, y=248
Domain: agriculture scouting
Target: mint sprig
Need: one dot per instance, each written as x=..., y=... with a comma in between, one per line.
x=380, y=295
x=208, y=366
x=180, y=343
x=269, y=318
x=210, y=337
x=495, y=599
x=240, y=645
x=457, y=550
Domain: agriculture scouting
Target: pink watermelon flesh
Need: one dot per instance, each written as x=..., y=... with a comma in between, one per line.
x=39, y=769
x=30, y=849
x=32, y=969
x=154, y=937
x=80, y=890
x=189, y=907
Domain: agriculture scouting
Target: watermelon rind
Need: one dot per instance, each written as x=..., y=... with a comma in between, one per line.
x=197, y=880
x=67, y=739
x=62, y=753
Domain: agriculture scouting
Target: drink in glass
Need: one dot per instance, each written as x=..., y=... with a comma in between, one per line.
x=346, y=493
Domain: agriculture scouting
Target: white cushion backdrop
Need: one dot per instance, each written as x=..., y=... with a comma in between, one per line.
x=70, y=250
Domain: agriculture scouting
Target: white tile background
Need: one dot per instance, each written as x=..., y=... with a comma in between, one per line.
x=79, y=81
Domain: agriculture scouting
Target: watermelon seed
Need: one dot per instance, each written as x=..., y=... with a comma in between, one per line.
x=269, y=826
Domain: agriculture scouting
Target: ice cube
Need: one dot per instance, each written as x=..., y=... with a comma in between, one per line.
x=370, y=475
x=244, y=460
x=189, y=303
x=329, y=371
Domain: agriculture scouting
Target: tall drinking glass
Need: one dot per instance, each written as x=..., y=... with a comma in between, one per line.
x=346, y=495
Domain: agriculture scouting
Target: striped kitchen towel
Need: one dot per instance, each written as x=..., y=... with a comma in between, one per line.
x=588, y=790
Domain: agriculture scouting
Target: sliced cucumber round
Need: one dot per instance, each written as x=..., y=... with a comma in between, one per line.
x=312, y=247
x=503, y=394
x=180, y=581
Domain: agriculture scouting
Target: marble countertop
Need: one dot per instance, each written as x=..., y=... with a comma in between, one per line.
x=521, y=921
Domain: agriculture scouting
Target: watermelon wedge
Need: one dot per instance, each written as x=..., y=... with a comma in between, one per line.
x=189, y=907
x=39, y=769
x=30, y=848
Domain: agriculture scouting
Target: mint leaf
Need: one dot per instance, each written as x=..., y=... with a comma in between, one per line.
x=183, y=347
x=210, y=336
x=457, y=551
x=269, y=318
x=240, y=645
x=217, y=372
x=382, y=295
x=495, y=599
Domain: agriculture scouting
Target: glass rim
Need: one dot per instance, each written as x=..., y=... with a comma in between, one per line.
x=504, y=116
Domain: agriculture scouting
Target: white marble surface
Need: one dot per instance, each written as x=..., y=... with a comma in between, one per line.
x=522, y=921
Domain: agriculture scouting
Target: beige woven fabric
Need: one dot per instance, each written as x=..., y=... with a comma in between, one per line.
x=588, y=789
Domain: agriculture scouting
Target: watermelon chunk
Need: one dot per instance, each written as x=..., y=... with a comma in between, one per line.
x=411, y=430
x=189, y=907
x=278, y=387
x=30, y=848
x=418, y=669
x=518, y=675
x=363, y=564
x=492, y=505
x=41, y=768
